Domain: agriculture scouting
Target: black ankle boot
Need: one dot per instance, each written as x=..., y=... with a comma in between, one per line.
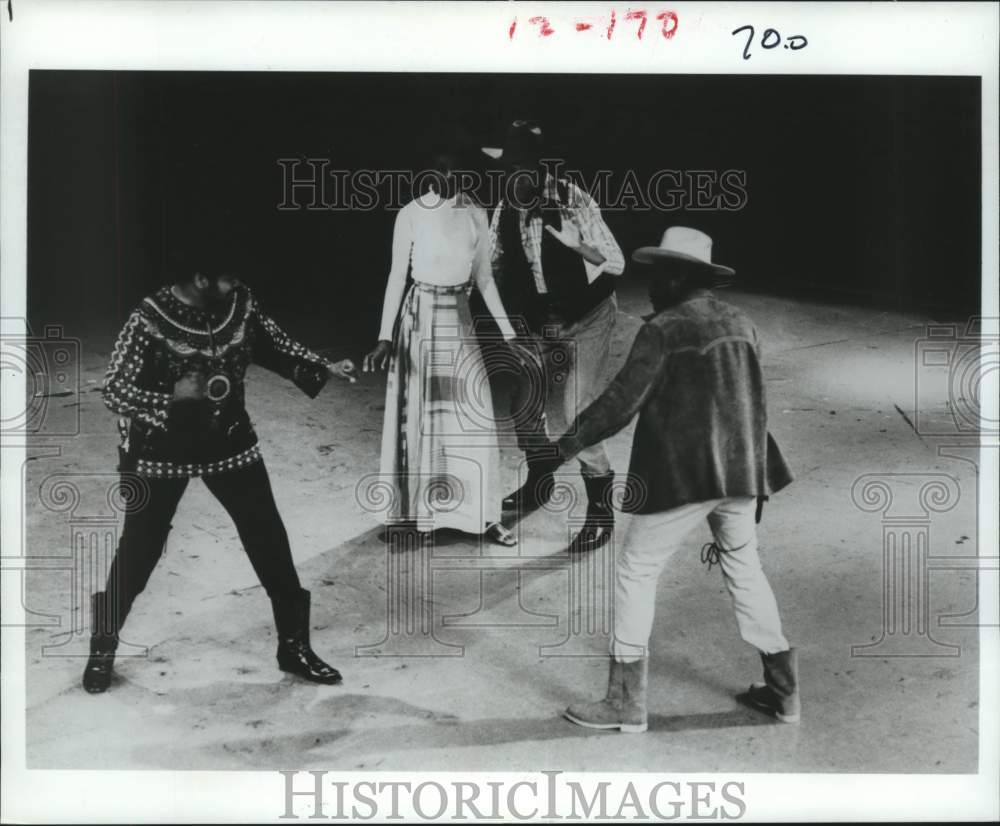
x=295, y=655
x=599, y=526
x=103, y=644
x=537, y=488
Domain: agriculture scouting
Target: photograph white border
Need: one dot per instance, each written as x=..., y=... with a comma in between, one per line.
x=843, y=38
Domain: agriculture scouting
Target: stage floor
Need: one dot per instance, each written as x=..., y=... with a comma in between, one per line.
x=472, y=672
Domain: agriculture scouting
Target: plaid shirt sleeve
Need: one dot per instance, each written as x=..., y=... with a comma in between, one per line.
x=594, y=231
x=494, y=236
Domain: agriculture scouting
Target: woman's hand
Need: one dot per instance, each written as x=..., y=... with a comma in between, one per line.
x=378, y=358
x=343, y=370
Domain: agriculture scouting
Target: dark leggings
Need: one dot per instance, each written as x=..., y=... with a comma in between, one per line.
x=246, y=496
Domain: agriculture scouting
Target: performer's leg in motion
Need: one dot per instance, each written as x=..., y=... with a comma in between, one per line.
x=246, y=495
x=143, y=537
x=590, y=349
x=527, y=407
x=651, y=541
x=735, y=532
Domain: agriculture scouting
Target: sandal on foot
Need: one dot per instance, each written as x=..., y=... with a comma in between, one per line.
x=500, y=535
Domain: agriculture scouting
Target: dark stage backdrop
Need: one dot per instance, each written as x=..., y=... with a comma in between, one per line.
x=856, y=185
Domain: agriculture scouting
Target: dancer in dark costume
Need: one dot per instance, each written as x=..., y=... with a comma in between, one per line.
x=177, y=379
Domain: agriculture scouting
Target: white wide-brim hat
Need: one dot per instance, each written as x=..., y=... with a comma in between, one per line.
x=689, y=249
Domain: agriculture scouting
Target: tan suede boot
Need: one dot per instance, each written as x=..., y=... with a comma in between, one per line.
x=634, y=680
x=623, y=708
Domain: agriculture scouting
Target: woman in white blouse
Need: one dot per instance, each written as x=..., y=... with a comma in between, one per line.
x=440, y=450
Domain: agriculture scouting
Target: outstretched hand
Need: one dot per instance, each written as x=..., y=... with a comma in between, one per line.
x=378, y=358
x=344, y=370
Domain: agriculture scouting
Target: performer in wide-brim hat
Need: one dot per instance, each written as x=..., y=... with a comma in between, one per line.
x=686, y=252
x=701, y=452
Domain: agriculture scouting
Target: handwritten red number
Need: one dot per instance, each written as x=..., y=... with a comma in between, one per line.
x=543, y=23
x=669, y=23
x=638, y=15
x=667, y=18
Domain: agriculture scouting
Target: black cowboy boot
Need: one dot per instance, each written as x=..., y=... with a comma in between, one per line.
x=295, y=655
x=779, y=693
x=599, y=526
x=103, y=644
x=537, y=488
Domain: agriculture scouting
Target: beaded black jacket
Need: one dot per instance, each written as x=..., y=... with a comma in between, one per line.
x=164, y=340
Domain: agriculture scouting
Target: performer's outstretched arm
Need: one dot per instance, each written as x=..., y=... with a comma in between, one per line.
x=123, y=389
x=275, y=350
x=623, y=398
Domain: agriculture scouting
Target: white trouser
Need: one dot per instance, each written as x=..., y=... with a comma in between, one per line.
x=653, y=538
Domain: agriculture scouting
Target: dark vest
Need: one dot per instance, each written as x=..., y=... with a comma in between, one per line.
x=569, y=296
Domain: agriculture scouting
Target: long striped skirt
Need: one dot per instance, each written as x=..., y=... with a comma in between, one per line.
x=440, y=450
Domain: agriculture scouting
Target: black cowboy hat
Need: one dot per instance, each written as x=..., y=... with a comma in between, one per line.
x=522, y=142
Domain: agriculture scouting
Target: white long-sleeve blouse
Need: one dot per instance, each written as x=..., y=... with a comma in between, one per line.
x=446, y=241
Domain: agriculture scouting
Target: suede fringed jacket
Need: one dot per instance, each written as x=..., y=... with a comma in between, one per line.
x=165, y=340
x=694, y=377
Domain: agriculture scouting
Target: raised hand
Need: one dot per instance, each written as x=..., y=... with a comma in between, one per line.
x=569, y=235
